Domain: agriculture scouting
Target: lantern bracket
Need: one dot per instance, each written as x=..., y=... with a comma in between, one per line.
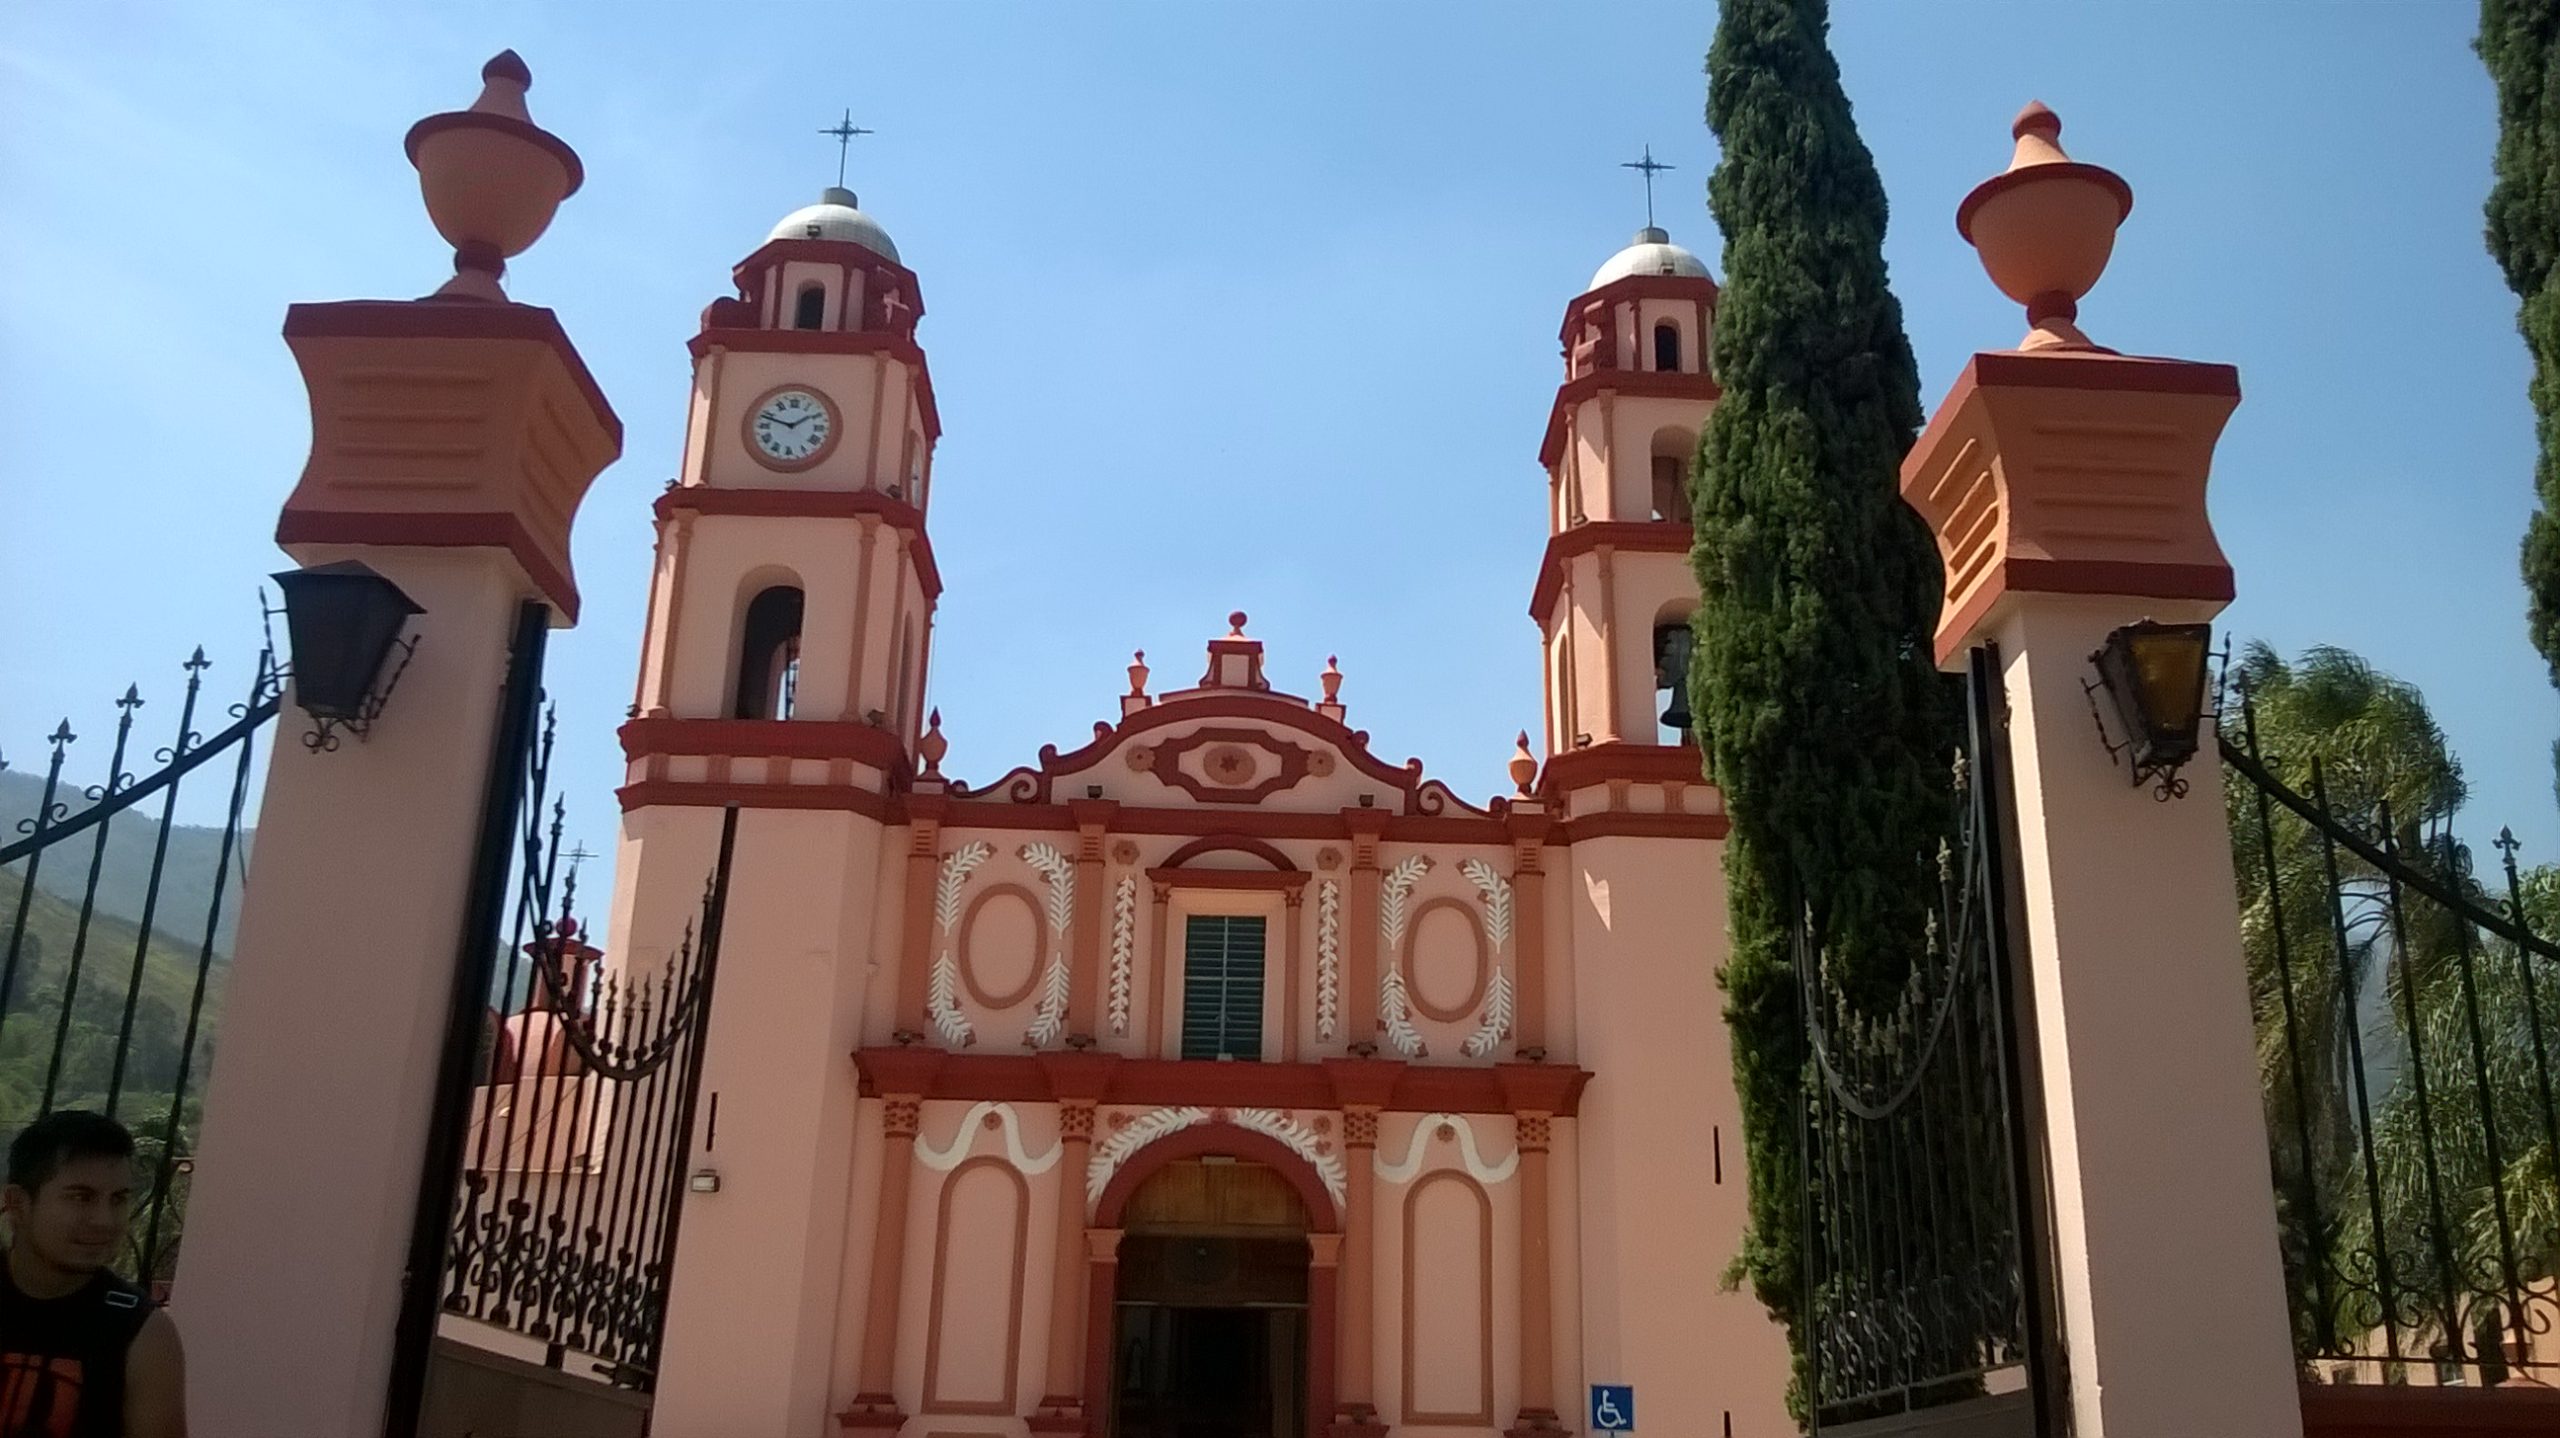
x=322, y=736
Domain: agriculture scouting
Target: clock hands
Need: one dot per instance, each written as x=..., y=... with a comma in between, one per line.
x=792, y=423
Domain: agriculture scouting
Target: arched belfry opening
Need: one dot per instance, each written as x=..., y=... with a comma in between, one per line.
x=1666, y=347
x=1674, y=642
x=809, y=311
x=1211, y=1328
x=1674, y=449
x=769, y=654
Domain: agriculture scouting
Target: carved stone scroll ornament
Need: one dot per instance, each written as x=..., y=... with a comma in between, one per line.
x=1124, y=940
x=1495, y=1017
x=1328, y=959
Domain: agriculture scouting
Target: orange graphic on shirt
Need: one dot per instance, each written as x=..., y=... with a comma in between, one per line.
x=39, y=1395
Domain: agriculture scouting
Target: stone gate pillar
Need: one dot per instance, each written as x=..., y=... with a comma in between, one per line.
x=2065, y=484
x=452, y=440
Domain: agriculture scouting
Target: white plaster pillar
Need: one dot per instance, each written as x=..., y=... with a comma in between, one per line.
x=2065, y=485
x=451, y=443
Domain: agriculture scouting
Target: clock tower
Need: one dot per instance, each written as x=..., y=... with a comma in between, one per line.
x=783, y=673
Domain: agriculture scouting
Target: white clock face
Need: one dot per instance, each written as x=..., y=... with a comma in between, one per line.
x=792, y=426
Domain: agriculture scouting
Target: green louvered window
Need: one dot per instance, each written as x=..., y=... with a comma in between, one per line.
x=1222, y=987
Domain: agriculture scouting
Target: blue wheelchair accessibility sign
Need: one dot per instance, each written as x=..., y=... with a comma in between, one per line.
x=1613, y=1407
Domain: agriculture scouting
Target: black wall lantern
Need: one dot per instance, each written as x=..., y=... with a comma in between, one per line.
x=344, y=621
x=2154, y=674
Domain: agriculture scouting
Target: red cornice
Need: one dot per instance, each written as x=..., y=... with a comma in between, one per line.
x=1133, y=1082
x=435, y=530
x=1639, y=383
x=679, y=794
x=1236, y=879
x=828, y=342
x=764, y=739
x=1626, y=824
x=1642, y=763
x=812, y=504
x=1635, y=536
x=827, y=252
x=2133, y=579
x=1037, y=784
x=1229, y=844
x=451, y=320
x=1059, y=819
x=1636, y=287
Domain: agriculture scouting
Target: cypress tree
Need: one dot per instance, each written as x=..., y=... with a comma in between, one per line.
x=1821, y=713
x=2517, y=42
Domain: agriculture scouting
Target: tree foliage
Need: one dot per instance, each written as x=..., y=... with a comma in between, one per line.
x=2519, y=41
x=1822, y=717
x=2362, y=986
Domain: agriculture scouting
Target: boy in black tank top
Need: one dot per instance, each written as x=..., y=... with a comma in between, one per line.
x=83, y=1354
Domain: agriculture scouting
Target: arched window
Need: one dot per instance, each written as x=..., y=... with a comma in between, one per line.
x=769, y=655
x=1666, y=346
x=1673, y=643
x=812, y=311
x=1673, y=449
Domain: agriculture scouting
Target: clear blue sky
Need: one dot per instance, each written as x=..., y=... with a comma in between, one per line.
x=1229, y=305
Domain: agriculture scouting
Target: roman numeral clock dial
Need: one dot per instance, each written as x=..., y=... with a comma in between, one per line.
x=791, y=428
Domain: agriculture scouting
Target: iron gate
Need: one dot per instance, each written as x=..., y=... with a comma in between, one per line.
x=555, y=1173
x=96, y=969
x=2407, y=1023
x=1919, y=1216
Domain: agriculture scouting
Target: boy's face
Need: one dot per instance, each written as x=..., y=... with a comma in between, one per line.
x=75, y=1219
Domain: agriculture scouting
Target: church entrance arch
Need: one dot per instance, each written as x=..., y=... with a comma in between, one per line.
x=1214, y=1314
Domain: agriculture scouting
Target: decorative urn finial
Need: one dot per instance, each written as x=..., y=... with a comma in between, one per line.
x=2045, y=228
x=1235, y=625
x=1524, y=765
x=933, y=746
x=1138, y=676
x=1331, y=679
x=492, y=178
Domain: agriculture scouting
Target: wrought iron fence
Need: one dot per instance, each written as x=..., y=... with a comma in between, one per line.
x=564, y=1224
x=2407, y=1021
x=1921, y=1288
x=101, y=956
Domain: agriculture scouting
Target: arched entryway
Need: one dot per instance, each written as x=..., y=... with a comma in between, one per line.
x=1213, y=1291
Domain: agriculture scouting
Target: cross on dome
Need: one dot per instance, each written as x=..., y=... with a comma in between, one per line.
x=844, y=130
x=1651, y=167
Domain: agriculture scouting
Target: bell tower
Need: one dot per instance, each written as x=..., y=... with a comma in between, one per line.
x=1615, y=592
x=794, y=580
x=782, y=673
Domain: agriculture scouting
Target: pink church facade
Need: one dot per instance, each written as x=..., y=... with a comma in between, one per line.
x=1214, y=1073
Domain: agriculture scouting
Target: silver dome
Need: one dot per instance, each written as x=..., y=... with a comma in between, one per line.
x=1651, y=254
x=836, y=217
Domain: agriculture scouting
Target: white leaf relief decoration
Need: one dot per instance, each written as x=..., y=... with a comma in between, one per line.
x=1497, y=899
x=1395, y=1006
x=956, y=868
x=1495, y=1017
x=1301, y=1140
x=1049, y=1020
x=942, y=997
x=1328, y=959
x=1124, y=938
x=1114, y=1151
x=942, y=1003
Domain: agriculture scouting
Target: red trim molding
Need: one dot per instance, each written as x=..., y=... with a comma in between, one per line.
x=1620, y=824
x=1637, y=383
x=2132, y=579
x=828, y=342
x=1634, y=536
x=2374, y=1410
x=764, y=739
x=436, y=530
x=1132, y=1082
x=1690, y=288
x=1292, y=767
x=1639, y=763
x=678, y=794
x=811, y=504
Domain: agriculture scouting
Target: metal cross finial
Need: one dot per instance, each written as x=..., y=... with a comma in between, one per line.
x=844, y=130
x=1651, y=167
